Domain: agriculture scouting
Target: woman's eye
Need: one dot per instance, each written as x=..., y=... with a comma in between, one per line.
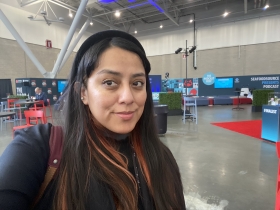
x=109, y=83
x=138, y=84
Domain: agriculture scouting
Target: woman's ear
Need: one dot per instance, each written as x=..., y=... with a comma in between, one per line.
x=84, y=95
x=78, y=87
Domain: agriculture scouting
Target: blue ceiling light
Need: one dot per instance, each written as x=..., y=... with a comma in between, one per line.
x=106, y=1
x=137, y=5
x=131, y=1
x=156, y=6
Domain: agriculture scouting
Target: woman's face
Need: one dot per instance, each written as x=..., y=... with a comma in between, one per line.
x=116, y=90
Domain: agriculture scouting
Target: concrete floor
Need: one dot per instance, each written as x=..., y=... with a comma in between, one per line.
x=220, y=169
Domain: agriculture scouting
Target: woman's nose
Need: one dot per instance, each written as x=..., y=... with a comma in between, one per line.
x=126, y=95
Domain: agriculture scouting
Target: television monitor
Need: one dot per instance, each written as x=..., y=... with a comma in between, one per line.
x=223, y=83
x=155, y=81
x=61, y=84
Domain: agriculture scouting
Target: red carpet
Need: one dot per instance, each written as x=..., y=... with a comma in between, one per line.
x=251, y=128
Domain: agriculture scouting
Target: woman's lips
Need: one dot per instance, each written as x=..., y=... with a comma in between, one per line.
x=125, y=115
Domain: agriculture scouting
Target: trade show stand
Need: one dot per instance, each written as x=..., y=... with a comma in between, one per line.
x=270, y=122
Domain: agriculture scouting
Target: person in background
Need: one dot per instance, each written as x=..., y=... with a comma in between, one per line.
x=112, y=156
x=39, y=95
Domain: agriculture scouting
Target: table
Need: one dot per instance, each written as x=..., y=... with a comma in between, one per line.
x=238, y=107
x=6, y=114
x=18, y=102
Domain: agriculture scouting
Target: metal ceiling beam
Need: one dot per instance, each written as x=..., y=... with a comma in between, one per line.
x=245, y=6
x=74, y=43
x=30, y=3
x=163, y=11
x=154, y=14
x=69, y=37
x=125, y=8
x=22, y=43
x=59, y=3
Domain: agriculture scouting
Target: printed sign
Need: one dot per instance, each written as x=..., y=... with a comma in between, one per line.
x=55, y=97
x=267, y=81
x=208, y=78
x=33, y=83
x=48, y=44
x=49, y=91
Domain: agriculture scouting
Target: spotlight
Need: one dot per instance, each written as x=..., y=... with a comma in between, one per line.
x=191, y=20
x=30, y=17
x=70, y=14
x=266, y=6
x=160, y=26
x=192, y=49
x=178, y=50
x=117, y=13
x=225, y=14
x=135, y=32
x=91, y=23
x=61, y=19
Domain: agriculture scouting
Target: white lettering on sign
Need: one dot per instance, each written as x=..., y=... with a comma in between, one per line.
x=270, y=111
x=264, y=78
x=270, y=86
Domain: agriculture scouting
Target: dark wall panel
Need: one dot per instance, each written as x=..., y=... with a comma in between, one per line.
x=252, y=82
x=26, y=86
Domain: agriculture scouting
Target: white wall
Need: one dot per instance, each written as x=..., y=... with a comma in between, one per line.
x=255, y=31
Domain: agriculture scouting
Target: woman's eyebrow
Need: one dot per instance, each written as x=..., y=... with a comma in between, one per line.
x=138, y=75
x=108, y=71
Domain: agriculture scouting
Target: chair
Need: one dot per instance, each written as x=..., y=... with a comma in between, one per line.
x=29, y=114
x=40, y=107
x=6, y=115
x=12, y=106
x=50, y=111
x=244, y=91
x=190, y=102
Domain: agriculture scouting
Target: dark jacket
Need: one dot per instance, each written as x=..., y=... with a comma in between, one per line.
x=23, y=166
x=43, y=97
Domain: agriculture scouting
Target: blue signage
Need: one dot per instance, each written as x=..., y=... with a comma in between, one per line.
x=270, y=123
x=155, y=81
x=208, y=78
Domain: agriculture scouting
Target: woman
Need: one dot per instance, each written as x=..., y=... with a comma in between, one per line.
x=112, y=157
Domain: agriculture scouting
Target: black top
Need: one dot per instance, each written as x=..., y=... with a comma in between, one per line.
x=23, y=166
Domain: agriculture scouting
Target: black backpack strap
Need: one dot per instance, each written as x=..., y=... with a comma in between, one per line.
x=56, y=144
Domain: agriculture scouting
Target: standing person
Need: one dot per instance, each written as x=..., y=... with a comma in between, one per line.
x=112, y=157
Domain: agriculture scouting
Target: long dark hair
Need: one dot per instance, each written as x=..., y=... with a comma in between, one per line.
x=87, y=153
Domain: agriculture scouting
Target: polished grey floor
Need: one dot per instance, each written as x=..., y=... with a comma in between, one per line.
x=220, y=169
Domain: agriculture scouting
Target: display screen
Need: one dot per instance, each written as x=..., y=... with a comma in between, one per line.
x=61, y=84
x=223, y=83
x=155, y=81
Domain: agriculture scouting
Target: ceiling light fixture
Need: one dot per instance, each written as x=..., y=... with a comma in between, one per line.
x=91, y=23
x=266, y=6
x=191, y=20
x=117, y=14
x=70, y=14
x=225, y=14
x=135, y=32
x=161, y=26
